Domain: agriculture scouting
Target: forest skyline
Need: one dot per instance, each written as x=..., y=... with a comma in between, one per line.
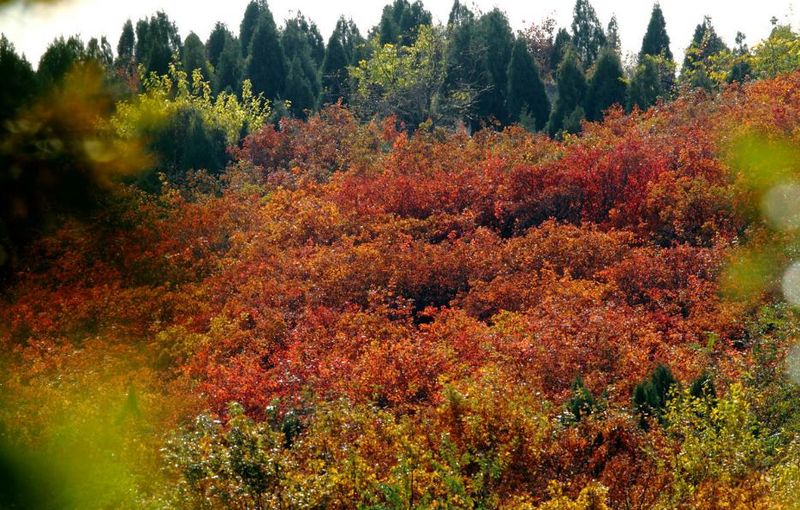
x=32, y=27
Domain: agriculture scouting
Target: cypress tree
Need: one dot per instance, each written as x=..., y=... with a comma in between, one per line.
x=18, y=85
x=612, y=35
x=194, y=55
x=61, y=55
x=252, y=15
x=571, y=94
x=400, y=22
x=334, y=71
x=266, y=63
x=157, y=43
x=645, y=88
x=587, y=33
x=560, y=45
x=216, y=42
x=100, y=51
x=526, y=92
x=228, y=73
x=656, y=39
x=126, y=44
x=606, y=87
x=298, y=40
x=299, y=90
x=497, y=41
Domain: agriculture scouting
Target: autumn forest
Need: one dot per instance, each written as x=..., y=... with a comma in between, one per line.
x=434, y=266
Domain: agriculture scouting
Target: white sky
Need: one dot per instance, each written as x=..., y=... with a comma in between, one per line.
x=31, y=28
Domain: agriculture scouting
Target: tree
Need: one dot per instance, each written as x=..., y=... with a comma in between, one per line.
x=266, y=63
x=299, y=39
x=298, y=90
x=560, y=45
x=408, y=82
x=18, y=85
x=157, y=43
x=645, y=88
x=656, y=39
x=334, y=71
x=250, y=21
x=58, y=59
x=215, y=44
x=126, y=45
x=697, y=64
x=228, y=72
x=100, y=52
x=194, y=55
x=526, y=92
x=400, y=22
x=607, y=86
x=612, y=34
x=497, y=41
x=540, y=38
x=571, y=93
x=466, y=67
x=587, y=33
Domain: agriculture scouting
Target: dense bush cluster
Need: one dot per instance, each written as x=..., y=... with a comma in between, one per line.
x=352, y=316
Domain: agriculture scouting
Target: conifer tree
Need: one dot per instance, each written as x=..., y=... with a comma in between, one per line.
x=587, y=33
x=298, y=90
x=100, y=51
x=560, y=44
x=266, y=63
x=157, y=43
x=228, y=73
x=645, y=87
x=571, y=94
x=126, y=44
x=252, y=15
x=400, y=22
x=299, y=40
x=612, y=35
x=194, y=56
x=61, y=55
x=526, y=92
x=18, y=85
x=656, y=39
x=334, y=71
x=607, y=86
x=216, y=42
x=497, y=40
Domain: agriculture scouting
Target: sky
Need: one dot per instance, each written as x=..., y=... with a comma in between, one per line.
x=32, y=26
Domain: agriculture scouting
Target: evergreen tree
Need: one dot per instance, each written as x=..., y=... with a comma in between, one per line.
x=216, y=43
x=126, y=44
x=607, y=86
x=612, y=35
x=252, y=15
x=560, y=45
x=194, y=55
x=656, y=39
x=645, y=88
x=266, y=63
x=400, y=22
x=299, y=40
x=334, y=71
x=526, y=92
x=459, y=14
x=59, y=57
x=497, y=40
x=18, y=85
x=587, y=33
x=571, y=94
x=100, y=52
x=351, y=40
x=466, y=67
x=157, y=43
x=705, y=44
x=298, y=90
x=228, y=73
